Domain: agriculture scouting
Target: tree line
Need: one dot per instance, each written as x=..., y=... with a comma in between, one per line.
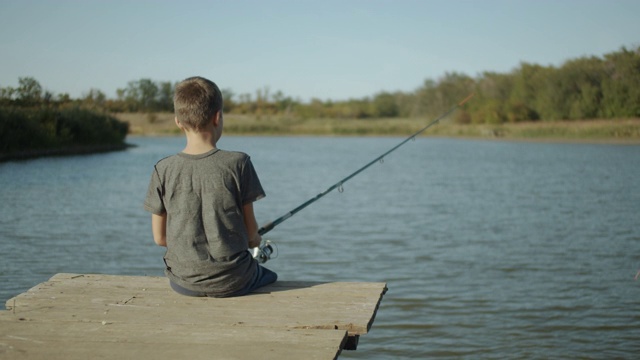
x=583, y=88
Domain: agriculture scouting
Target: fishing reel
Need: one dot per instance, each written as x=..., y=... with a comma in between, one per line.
x=265, y=251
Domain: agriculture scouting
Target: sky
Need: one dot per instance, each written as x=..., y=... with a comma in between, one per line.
x=328, y=50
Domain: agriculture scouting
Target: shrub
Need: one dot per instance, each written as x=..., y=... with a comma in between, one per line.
x=25, y=129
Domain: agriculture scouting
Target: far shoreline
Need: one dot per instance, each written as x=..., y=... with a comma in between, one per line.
x=613, y=132
x=551, y=140
x=63, y=151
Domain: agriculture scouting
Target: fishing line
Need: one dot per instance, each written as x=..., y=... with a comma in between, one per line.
x=339, y=185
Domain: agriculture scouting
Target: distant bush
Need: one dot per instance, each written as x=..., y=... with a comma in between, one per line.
x=27, y=129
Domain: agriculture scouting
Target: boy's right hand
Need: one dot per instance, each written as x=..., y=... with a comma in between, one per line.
x=255, y=241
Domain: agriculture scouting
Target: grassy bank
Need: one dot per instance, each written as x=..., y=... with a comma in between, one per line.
x=43, y=131
x=615, y=131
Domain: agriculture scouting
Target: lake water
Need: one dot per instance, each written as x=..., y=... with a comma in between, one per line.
x=489, y=249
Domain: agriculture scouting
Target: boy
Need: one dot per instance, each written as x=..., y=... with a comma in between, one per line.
x=201, y=203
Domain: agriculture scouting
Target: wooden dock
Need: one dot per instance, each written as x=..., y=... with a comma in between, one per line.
x=76, y=316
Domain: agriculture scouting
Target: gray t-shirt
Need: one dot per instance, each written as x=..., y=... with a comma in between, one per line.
x=207, y=241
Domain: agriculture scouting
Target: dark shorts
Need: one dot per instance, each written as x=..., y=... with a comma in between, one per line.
x=263, y=277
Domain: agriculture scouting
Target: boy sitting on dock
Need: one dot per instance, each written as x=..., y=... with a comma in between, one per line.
x=201, y=203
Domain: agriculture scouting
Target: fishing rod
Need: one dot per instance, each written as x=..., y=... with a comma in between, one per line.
x=269, y=226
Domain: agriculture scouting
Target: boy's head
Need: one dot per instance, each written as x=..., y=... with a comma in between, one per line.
x=196, y=101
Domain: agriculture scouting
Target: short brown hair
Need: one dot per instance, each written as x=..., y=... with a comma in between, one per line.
x=196, y=101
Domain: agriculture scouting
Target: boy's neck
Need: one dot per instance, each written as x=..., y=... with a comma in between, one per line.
x=199, y=142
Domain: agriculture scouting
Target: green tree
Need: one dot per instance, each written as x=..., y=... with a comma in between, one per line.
x=7, y=94
x=148, y=92
x=528, y=81
x=94, y=98
x=490, y=111
x=407, y=104
x=165, y=96
x=284, y=104
x=229, y=100
x=384, y=105
x=493, y=92
x=434, y=98
x=621, y=87
x=29, y=90
x=585, y=77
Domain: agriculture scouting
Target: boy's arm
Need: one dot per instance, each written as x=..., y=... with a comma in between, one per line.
x=159, y=229
x=252, y=225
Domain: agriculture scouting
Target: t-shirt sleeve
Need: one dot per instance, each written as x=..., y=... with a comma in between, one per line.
x=251, y=187
x=153, y=201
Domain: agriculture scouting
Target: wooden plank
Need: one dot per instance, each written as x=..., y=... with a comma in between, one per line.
x=84, y=315
x=345, y=306
x=333, y=292
x=317, y=319
x=22, y=339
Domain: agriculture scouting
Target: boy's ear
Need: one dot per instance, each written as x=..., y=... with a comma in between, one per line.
x=216, y=118
x=178, y=124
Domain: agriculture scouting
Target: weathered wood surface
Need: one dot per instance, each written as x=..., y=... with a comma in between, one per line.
x=74, y=316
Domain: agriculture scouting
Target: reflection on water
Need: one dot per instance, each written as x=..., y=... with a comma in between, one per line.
x=489, y=249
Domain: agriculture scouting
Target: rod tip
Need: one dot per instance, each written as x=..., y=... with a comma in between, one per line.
x=466, y=99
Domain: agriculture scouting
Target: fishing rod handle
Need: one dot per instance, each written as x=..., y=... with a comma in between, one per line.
x=266, y=228
x=270, y=225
